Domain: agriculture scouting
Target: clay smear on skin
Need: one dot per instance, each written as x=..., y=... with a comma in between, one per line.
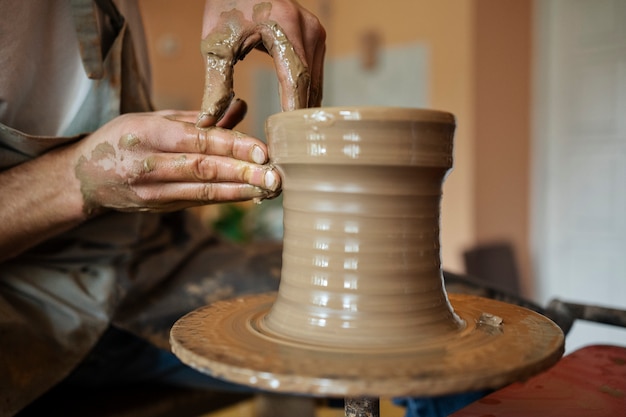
x=104, y=158
x=225, y=46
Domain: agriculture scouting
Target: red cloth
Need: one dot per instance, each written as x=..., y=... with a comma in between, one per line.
x=590, y=382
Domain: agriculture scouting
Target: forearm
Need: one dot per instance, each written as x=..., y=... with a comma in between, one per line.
x=39, y=199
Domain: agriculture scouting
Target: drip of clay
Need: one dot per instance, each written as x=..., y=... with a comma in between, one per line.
x=361, y=258
x=361, y=310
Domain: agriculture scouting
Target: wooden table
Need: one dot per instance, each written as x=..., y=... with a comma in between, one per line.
x=590, y=382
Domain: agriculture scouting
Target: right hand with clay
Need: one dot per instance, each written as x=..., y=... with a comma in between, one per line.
x=155, y=162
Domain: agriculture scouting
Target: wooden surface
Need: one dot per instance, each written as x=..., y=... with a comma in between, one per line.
x=590, y=382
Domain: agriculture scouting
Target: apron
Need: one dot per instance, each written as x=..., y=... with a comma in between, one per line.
x=57, y=299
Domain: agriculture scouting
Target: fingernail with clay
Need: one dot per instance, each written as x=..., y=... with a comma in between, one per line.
x=258, y=156
x=271, y=180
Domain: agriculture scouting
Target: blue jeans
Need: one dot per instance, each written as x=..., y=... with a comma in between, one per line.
x=441, y=406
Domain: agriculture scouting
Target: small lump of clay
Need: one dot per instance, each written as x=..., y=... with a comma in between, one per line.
x=490, y=319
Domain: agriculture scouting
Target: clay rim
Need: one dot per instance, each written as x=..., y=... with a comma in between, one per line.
x=476, y=359
x=370, y=113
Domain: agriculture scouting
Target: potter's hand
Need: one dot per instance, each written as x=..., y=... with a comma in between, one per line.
x=162, y=161
x=289, y=33
x=137, y=162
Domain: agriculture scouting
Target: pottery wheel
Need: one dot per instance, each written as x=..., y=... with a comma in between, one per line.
x=499, y=344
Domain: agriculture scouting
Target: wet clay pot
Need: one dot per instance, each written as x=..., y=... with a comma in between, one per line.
x=362, y=189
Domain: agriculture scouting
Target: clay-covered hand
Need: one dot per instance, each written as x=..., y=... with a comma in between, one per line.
x=162, y=162
x=292, y=35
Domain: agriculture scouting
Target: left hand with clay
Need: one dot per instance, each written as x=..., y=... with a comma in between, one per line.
x=292, y=35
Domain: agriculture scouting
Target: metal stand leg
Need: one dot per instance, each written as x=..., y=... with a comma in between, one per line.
x=362, y=407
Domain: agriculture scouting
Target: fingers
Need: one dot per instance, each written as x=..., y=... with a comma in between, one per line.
x=168, y=135
x=311, y=46
x=316, y=63
x=194, y=169
x=213, y=154
x=235, y=114
x=232, y=117
x=317, y=77
x=167, y=163
x=175, y=196
x=298, y=46
x=292, y=35
x=293, y=74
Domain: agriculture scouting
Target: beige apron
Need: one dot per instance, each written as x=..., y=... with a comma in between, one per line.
x=58, y=298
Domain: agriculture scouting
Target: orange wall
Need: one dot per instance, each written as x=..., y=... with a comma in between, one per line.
x=479, y=70
x=173, y=36
x=502, y=127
